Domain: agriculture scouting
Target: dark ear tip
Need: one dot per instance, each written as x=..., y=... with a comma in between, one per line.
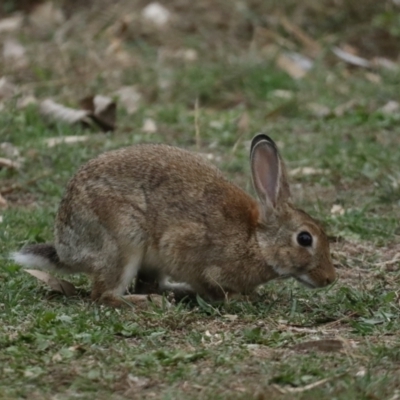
x=259, y=138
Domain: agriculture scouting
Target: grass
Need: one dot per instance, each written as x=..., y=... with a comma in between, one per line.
x=262, y=347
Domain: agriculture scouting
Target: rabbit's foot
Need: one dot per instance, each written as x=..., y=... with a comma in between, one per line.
x=142, y=301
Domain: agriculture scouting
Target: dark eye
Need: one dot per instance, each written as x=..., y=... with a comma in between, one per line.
x=304, y=239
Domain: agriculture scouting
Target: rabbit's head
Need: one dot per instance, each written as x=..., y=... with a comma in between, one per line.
x=294, y=244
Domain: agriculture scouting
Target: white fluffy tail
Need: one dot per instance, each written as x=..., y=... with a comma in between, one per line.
x=42, y=256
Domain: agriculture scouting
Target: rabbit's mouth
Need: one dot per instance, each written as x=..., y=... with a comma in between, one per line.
x=305, y=282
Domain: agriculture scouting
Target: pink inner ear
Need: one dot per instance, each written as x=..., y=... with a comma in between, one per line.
x=266, y=172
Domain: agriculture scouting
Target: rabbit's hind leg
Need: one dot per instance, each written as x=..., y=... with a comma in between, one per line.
x=110, y=284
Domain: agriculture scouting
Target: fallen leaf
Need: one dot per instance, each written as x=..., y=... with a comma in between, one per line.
x=51, y=142
x=295, y=64
x=102, y=109
x=58, y=112
x=136, y=382
x=230, y=317
x=351, y=58
x=320, y=345
x=305, y=171
x=58, y=285
x=390, y=107
x=156, y=14
x=319, y=110
x=385, y=63
x=10, y=24
x=337, y=209
x=283, y=94
x=25, y=101
x=149, y=126
x=129, y=97
x=14, y=53
x=6, y=163
x=374, y=78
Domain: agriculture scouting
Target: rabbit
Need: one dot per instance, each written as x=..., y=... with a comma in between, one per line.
x=162, y=213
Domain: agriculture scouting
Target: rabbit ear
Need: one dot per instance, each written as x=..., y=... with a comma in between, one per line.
x=268, y=172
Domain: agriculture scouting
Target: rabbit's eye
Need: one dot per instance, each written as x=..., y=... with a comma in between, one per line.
x=304, y=239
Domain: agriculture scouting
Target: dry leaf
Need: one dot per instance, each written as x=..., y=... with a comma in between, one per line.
x=351, y=58
x=390, y=107
x=374, y=78
x=102, y=109
x=230, y=317
x=129, y=97
x=385, y=63
x=25, y=101
x=10, y=24
x=99, y=109
x=149, y=126
x=156, y=14
x=51, y=142
x=14, y=53
x=320, y=345
x=305, y=171
x=58, y=112
x=6, y=163
x=296, y=65
x=319, y=110
x=58, y=285
x=283, y=94
x=337, y=209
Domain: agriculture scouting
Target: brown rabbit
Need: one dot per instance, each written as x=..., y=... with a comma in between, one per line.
x=166, y=213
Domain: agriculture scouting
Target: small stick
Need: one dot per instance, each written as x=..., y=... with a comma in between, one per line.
x=18, y=186
x=340, y=320
x=196, y=124
x=307, y=387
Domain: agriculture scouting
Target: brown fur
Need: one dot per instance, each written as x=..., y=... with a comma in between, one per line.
x=169, y=211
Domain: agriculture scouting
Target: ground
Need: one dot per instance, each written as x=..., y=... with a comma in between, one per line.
x=208, y=82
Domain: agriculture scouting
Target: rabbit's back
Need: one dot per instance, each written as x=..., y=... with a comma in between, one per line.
x=155, y=195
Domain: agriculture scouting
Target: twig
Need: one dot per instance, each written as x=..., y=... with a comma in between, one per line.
x=395, y=259
x=312, y=45
x=196, y=124
x=19, y=186
x=338, y=321
x=302, y=389
x=242, y=127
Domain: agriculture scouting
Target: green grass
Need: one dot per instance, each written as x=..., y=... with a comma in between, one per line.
x=57, y=347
